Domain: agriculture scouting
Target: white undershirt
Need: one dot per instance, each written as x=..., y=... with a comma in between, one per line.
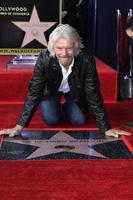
x=64, y=86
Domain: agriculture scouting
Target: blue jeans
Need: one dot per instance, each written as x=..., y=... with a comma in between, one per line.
x=51, y=110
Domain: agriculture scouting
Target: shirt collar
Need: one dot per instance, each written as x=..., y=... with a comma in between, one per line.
x=71, y=65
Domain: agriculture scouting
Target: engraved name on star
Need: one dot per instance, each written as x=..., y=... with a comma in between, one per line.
x=34, y=29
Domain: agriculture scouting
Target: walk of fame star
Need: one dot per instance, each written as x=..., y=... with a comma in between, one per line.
x=34, y=29
x=62, y=142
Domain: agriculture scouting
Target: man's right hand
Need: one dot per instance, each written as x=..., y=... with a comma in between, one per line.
x=12, y=131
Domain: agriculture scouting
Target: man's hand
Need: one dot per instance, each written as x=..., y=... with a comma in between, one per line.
x=63, y=13
x=12, y=131
x=116, y=133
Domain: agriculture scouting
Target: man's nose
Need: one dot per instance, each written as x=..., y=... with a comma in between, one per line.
x=64, y=51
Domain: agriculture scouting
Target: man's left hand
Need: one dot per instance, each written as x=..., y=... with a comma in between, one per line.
x=116, y=133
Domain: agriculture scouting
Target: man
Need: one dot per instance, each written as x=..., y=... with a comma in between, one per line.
x=64, y=69
x=82, y=15
x=129, y=28
x=68, y=14
x=129, y=31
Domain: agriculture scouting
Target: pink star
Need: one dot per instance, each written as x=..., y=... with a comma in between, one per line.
x=34, y=29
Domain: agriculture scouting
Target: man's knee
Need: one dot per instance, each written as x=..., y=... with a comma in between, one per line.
x=78, y=121
x=51, y=120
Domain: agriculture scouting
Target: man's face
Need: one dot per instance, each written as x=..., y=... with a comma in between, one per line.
x=65, y=51
x=130, y=32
